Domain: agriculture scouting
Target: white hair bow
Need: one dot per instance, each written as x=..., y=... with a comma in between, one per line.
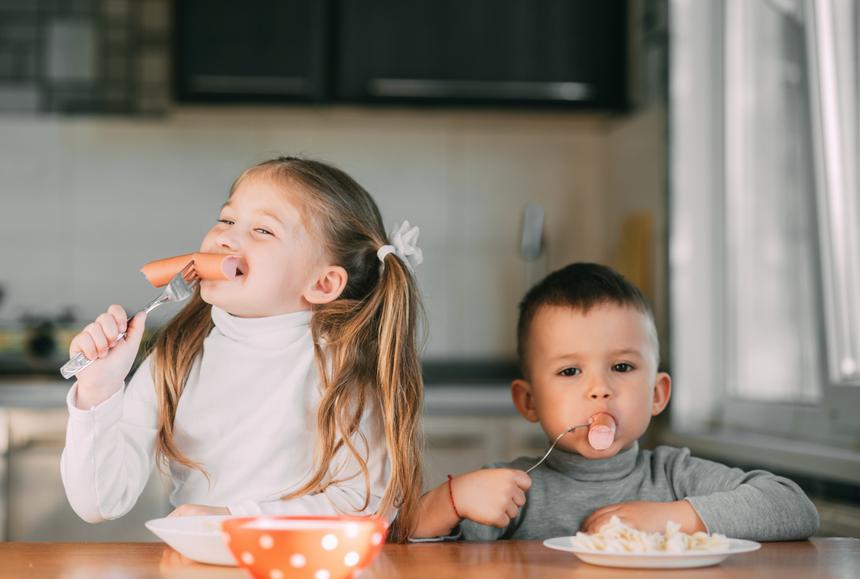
x=404, y=244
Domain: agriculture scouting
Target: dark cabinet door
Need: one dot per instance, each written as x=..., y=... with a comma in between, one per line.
x=568, y=52
x=254, y=50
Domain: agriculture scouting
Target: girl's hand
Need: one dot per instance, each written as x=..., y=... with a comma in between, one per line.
x=198, y=511
x=101, y=379
x=647, y=516
x=491, y=496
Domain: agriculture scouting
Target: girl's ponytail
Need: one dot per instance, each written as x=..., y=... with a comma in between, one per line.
x=401, y=390
x=371, y=356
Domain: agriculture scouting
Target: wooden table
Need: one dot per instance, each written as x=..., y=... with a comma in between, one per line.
x=818, y=558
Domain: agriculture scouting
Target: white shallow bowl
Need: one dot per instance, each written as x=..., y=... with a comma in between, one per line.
x=198, y=538
x=653, y=560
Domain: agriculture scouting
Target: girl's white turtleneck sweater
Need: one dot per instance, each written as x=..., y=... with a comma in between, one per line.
x=247, y=415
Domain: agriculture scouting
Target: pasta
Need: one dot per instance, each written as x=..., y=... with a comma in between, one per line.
x=616, y=537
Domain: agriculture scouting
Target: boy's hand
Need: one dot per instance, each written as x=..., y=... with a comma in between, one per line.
x=189, y=510
x=488, y=496
x=491, y=496
x=113, y=360
x=646, y=516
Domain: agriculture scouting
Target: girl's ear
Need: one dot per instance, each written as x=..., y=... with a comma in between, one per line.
x=521, y=392
x=662, y=392
x=328, y=285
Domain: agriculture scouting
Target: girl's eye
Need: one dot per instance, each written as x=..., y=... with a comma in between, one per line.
x=568, y=372
x=225, y=221
x=623, y=367
x=264, y=231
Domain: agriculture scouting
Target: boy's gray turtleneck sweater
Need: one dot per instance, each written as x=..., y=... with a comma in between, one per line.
x=567, y=487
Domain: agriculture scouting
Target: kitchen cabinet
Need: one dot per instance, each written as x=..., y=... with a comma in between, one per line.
x=568, y=53
x=108, y=56
x=33, y=505
x=541, y=52
x=255, y=50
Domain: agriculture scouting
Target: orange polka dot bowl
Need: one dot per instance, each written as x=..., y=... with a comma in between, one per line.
x=273, y=547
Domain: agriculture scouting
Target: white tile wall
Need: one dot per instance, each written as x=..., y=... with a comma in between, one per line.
x=88, y=200
x=636, y=159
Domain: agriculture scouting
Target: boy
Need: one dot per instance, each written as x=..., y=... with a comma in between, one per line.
x=588, y=352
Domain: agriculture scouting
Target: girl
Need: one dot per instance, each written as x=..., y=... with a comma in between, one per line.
x=295, y=388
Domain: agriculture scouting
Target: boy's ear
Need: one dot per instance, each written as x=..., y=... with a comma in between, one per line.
x=521, y=392
x=662, y=393
x=328, y=285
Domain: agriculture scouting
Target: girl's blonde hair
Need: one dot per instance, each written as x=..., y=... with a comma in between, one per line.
x=370, y=355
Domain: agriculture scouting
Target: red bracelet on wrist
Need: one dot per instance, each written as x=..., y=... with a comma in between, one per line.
x=451, y=496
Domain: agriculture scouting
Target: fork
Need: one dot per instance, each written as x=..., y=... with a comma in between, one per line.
x=554, y=442
x=178, y=289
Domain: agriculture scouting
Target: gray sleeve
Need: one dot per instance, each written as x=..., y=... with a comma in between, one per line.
x=472, y=531
x=753, y=505
x=466, y=531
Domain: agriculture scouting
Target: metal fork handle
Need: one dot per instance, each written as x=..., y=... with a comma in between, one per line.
x=79, y=361
x=554, y=442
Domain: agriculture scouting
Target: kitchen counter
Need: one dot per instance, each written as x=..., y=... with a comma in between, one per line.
x=33, y=393
x=825, y=558
x=451, y=387
x=447, y=398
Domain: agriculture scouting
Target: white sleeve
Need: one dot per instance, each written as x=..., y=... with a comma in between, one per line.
x=346, y=497
x=110, y=449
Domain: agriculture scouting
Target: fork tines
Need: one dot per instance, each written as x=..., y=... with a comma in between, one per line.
x=189, y=273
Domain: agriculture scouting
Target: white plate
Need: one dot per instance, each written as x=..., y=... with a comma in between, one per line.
x=198, y=538
x=653, y=560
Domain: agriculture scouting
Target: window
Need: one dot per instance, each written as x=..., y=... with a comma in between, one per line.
x=773, y=346
x=765, y=212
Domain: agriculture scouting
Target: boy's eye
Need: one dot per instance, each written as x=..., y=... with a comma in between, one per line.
x=225, y=221
x=568, y=372
x=623, y=367
x=264, y=231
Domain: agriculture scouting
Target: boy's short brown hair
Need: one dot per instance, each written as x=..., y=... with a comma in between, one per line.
x=579, y=286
